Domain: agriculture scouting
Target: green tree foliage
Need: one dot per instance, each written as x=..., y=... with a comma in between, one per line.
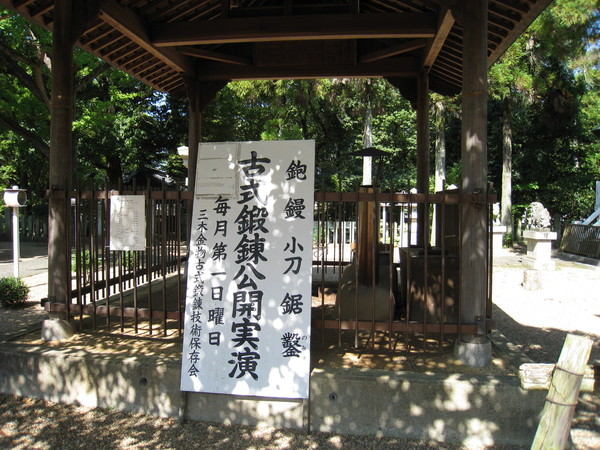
x=549, y=77
x=24, y=103
x=125, y=127
x=121, y=126
x=332, y=112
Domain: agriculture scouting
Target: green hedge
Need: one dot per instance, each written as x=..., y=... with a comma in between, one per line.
x=13, y=292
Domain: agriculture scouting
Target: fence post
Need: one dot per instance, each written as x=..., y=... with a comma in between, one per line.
x=557, y=227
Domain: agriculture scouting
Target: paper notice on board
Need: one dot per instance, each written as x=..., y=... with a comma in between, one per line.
x=127, y=222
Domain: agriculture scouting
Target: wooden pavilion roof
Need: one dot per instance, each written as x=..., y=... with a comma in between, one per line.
x=168, y=43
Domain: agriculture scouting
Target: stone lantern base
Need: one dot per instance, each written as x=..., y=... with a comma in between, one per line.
x=539, y=250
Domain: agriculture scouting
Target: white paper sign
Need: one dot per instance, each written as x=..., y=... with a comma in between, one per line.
x=127, y=222
x=248, y=301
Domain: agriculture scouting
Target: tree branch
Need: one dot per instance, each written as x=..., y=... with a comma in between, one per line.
x=84, y=81
x=38, y=71
x=10, y=66
x=37, y=142
x=11, y=53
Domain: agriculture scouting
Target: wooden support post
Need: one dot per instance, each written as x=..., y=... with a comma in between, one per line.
x=194, y=132
x=194, y=135
x=474, y=350
x=422, y=150
x=199, y=95
x=474, y=163
x=61, y=151
x=555, y=422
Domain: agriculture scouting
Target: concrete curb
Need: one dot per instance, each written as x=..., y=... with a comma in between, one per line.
x=472, y=410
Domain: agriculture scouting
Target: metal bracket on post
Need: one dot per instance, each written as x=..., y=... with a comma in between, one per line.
x=481, y=326
x=475, y=199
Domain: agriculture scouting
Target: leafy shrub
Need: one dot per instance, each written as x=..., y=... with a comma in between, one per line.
x=13, y=292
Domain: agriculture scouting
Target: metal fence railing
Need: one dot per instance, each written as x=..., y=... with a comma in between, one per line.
x=581, y=240
x=128, y=291
x=392, y=284
x=404, y=288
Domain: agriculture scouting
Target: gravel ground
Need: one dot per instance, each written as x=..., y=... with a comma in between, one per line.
x=535, y=321
x=34, y=424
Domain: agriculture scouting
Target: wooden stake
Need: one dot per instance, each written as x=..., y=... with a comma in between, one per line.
x=555, y=422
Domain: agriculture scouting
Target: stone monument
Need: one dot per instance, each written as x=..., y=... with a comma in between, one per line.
x=498, y=230
x=539, y=238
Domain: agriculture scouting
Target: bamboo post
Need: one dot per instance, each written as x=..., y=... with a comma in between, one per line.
x=555, y=422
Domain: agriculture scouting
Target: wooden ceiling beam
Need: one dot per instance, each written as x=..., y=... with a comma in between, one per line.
x=520, y=8
x=394, y=50
x=120, y=51
x=21, y=3
x=41, y=10
x=445, y=24
x=294, y=28
x=214, y=56
x=135, y=28
x=391, y=67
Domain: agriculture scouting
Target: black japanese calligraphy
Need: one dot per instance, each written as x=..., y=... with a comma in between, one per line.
x=252, y=168
x=291, y=345
x=294, y=208
x=214, y=338
x=247, y=304
x=245, y=363
x=245, y=333
x=222, y=206
x=216, y=315
x=296, y=170
x=292, y=304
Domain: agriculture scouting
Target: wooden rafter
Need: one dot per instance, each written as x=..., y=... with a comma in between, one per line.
x=269, y=29
x=135, y=28
x=286, y=39
x=446, y=22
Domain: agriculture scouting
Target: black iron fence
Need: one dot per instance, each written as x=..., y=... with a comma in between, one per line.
x=377, y=268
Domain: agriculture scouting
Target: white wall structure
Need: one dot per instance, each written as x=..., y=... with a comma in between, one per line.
x=248, y=301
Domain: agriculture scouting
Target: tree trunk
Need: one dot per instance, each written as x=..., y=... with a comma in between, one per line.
x=367, y=172
x=440, y=145
x=506, y=196
x=422, y=154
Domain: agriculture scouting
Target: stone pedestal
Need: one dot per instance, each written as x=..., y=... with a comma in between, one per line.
x=539, y=250
x=56, y=330
x=498, y=237
x=532, y=280
x=474, y=351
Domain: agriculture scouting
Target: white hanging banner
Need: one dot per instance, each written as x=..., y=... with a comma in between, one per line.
x=127, y=222
x=248, y=301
